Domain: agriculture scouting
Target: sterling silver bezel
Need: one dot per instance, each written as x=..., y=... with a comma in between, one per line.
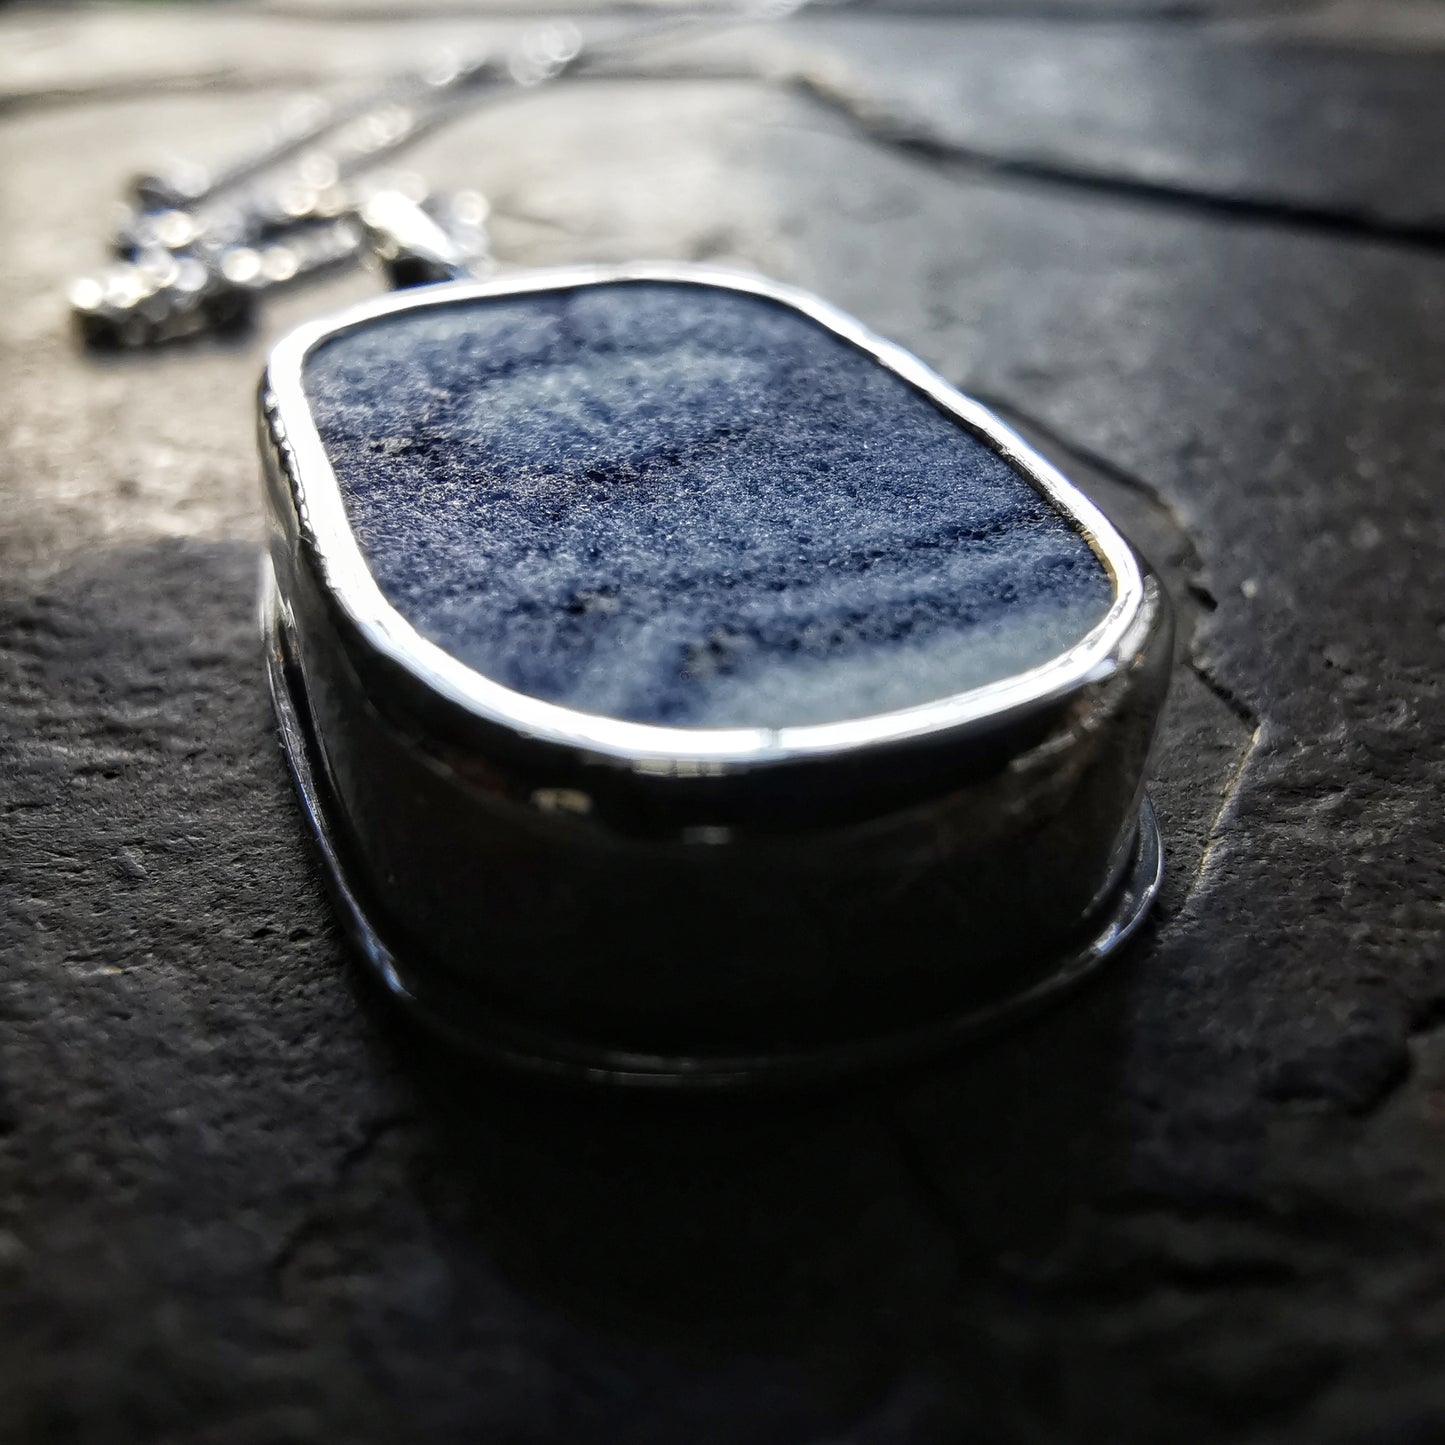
x=326, y=533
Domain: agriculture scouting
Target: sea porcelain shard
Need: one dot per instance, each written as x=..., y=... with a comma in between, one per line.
x=685, y=684
x=689, y=505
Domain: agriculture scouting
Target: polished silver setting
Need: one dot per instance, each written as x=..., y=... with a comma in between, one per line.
x=707, y=906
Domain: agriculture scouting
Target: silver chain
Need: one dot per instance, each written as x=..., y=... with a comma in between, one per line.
x=194, y=248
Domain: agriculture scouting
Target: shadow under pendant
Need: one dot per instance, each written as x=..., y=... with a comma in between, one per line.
x=686, y=687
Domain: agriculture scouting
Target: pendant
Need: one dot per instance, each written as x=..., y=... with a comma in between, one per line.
x=686, y=687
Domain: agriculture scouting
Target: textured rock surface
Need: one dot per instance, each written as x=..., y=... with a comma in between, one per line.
x=690, y=506
x=1201, y=1202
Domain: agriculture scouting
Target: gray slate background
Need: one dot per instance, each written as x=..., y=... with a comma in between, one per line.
x=1196, y=248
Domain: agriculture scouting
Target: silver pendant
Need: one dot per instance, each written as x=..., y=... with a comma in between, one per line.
x=686, y=687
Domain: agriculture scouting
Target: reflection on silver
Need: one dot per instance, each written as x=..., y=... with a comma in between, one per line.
x=669, y=905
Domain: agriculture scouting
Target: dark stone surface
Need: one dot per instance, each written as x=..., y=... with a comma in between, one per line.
x=1202, y=1202
x=689, y=506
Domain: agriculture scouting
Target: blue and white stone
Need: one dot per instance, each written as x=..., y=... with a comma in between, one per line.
x=681, y=504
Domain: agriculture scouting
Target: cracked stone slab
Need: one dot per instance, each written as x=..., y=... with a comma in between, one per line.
x=1206, y=116
x=1202, y=1200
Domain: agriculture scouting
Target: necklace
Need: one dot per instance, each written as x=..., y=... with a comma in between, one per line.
x=683, y=685
x=196, y=248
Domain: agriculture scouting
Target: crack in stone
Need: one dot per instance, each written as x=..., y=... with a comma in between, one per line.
x=911, y=136
x=1231, y=787
x=314, y=1223
x=1236, y=704
x=933, y=1198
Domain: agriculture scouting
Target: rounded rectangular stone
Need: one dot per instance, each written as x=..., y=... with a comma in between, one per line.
x=684, y=504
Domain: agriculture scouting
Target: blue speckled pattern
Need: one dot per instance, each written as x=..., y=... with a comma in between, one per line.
x=682, y=504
